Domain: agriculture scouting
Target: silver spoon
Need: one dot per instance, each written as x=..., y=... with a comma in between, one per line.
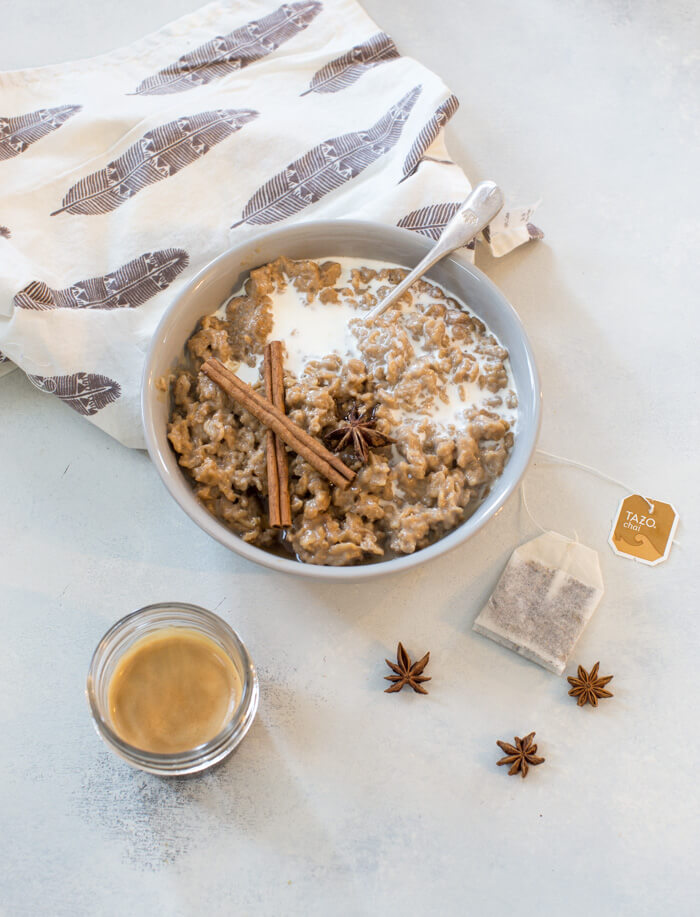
x=475, y=213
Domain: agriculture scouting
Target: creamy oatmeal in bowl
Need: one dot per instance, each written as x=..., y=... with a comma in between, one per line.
x=425, y=409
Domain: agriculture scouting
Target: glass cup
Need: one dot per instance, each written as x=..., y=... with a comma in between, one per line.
x=122, y=636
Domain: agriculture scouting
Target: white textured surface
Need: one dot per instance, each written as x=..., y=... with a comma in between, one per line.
x=344, y=800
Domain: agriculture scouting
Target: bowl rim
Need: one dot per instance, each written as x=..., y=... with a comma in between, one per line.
x=208, y=523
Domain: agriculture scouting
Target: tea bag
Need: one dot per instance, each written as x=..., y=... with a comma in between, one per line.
x=545, y=597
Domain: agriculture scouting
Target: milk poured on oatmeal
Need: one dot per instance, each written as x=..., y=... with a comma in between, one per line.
x=436, y=381
x=314, y=330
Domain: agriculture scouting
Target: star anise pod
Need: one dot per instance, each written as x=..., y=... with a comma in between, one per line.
x=407, y=674
x=521, y=755
x=357, y=430
x=588, y=687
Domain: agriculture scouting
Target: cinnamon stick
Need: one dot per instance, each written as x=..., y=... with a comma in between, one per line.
x=274, y=358
x=310, y=449
x=273, y=479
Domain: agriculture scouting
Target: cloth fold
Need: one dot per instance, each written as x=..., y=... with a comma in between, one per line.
x=123, y=175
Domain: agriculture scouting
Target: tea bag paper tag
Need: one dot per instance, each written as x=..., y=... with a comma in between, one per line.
x=643, y=529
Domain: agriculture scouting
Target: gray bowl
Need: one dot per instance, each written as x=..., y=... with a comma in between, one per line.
x=324, y=239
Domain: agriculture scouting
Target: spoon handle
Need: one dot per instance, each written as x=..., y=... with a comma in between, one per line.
x=474, y=213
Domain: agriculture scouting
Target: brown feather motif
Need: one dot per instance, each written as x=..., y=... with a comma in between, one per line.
x=327, y=166
x=86, y=393
x=430, y=221
x=427, y=135
x=129, y=286
x=17, y=134
x=349, y=67
x=228, y=53
x=157, y=155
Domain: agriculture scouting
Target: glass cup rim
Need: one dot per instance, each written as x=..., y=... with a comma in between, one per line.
x=208, y=753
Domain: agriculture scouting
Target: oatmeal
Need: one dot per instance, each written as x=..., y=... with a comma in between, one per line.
x=436, y=382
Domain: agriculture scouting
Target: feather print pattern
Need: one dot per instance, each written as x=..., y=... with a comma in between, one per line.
x=160, y=153
x=428, y=133
x=228, y=53
x=17, y=134
x=327, y=166
x=129, y=286
x=86, y=393
x=349, y=67
x=430, y=221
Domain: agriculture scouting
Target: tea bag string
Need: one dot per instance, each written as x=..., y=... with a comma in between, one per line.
x=560, y=460
x=523, y=500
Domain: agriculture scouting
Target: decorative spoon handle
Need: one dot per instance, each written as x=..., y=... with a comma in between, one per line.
x=475, y=213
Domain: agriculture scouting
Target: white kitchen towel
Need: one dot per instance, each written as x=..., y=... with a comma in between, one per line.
x=123, y=175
